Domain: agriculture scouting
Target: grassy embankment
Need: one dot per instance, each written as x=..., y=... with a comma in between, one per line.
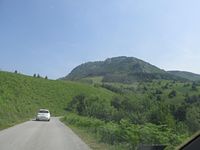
x=21, y=96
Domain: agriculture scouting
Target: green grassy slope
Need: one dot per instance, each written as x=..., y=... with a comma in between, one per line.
x=21, y=96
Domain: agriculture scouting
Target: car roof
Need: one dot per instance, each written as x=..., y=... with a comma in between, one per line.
x=43, y=110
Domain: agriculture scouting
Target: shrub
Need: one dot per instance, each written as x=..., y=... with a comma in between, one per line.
x=109, y=133
x=172, y=94
x=86, y=122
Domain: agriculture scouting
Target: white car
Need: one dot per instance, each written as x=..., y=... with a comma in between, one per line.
x=43, y=114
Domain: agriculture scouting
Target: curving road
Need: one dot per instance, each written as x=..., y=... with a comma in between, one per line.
x=39, y=135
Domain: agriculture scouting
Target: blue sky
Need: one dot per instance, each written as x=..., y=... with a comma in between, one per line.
x=51, y=37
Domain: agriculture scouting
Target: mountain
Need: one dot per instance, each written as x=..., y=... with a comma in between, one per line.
x=21, y=96
x=120, y=69
x=187, y=75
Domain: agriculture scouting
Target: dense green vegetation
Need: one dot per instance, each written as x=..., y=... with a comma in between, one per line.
x=160, y=108
x=21, y=96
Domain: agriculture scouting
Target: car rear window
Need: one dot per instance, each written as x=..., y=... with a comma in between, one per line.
x=43, y=111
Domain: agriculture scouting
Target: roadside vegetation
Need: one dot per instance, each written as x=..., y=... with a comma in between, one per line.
x=125, y=135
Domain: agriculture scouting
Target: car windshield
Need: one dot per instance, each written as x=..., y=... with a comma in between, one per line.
x=43, y=111
x=126, y=73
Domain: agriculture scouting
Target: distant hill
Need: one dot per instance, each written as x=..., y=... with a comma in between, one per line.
x=186, y=75
x=120, y=69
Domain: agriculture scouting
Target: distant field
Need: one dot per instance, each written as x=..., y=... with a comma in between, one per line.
x=92, y=80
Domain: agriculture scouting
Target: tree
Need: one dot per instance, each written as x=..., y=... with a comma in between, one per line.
x=194, y=86
x=16, y=71
x=165, y=86
x=128, y=105
x=116, y=103
x=158, y=98
x=172, y=94
x=160, y=114
x=34, y=75
x=179, y=112
x=38, y=76
x=193, y=118
x=192, y=99
x=46, y=77
x=77, y=104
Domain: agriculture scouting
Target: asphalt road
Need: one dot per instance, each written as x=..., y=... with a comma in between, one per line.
x=40, y=135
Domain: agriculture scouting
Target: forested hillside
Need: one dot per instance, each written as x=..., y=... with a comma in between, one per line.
x=120, y=69
x=187, y=75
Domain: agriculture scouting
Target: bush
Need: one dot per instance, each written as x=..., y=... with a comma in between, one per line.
x=85, y=122
x=109, y=133
x=172, y=94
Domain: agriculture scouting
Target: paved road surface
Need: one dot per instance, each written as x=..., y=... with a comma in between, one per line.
x=39, y=135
